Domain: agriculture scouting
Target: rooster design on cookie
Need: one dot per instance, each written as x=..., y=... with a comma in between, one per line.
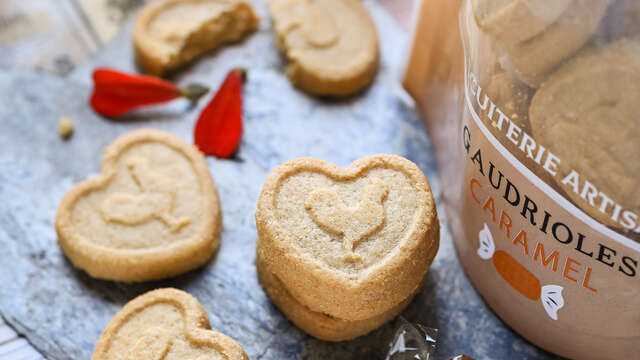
x=327, y=209
x=153, y=211
x=164, y=324
x=155, y=201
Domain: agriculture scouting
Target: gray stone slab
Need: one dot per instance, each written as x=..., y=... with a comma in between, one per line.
x=62, y=310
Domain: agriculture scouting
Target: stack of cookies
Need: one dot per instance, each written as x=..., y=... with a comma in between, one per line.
x=341, y=251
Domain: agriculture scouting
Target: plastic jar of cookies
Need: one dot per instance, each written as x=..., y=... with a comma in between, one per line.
x=533, y=110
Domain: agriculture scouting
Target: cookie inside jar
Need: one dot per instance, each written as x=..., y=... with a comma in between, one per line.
x=568, y=88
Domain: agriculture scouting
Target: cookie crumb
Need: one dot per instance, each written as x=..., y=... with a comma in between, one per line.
x=65, y=127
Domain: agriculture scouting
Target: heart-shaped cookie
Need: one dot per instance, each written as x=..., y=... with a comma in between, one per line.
x=164, y=324
x=352, y=242
x=319, y=325
x=153, y=212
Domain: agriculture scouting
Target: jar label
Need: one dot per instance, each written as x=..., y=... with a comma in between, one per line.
x=531, y=246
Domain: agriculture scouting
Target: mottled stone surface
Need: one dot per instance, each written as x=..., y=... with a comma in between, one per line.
x=62, y=311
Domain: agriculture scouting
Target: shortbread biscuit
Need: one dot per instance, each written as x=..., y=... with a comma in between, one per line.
x=319, y=325
x=513, y=98
x=153, y=212
x=623, y=20
x=170, y=33
x=164, y=324
x=586, y=114
x=533, y=59
x=348, y=242
x=331, y=45
x=513, y=21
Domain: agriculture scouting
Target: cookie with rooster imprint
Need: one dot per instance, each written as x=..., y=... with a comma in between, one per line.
x=153, y=212
x=165, y=324
x=352, y=243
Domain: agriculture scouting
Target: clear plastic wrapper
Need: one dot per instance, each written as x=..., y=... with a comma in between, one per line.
x=412, y=341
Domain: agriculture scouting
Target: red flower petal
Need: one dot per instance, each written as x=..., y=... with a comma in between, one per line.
x=115, y=93
x=219, y=127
